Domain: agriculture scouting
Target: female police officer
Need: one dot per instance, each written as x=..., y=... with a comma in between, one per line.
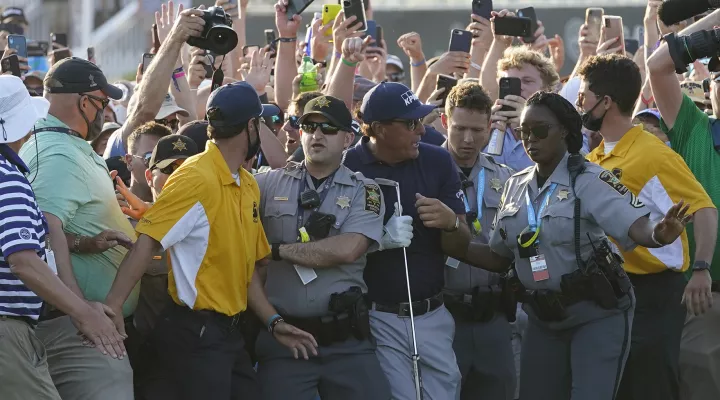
x=579, y=301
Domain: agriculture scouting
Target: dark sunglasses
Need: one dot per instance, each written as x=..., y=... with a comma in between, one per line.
x=170, y=123
x=146, y=158
x=103, y=101
x=411, y=124
x=293, y=121
x=170, y=168
x=539, y=131
x=396, y=76
x=325, y=128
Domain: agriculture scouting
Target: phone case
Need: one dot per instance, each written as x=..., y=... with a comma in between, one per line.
x=372, y=32
x=444, y=81
x=529, y=12
x=296, y=7
x=593, y=20
x=460, y=40
x=19, y=43
x=613, y=28
x=329, y=12
x=355, y=8
x=482, y=8
x=270, y=37
x=513, y=26
x=509, y=86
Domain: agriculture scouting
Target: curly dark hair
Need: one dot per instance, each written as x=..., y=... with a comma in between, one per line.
x=468, y=95
x=615, y=76
x=565, y=113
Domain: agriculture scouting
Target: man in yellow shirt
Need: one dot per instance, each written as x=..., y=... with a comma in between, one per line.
x=659, y=177
x=208, y=221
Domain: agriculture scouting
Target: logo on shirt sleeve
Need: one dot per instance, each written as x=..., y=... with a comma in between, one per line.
x=635, y=201
x=25, y=234
x=613, y=182
x=372, y=199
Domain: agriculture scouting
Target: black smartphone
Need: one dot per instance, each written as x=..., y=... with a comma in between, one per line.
x=706, y=85
x=372, y=32
x=482, y=8
x=59, y=38
x=355, y=8
x=631, y=46
x=460, y=40
x=61, y=54
x=296, y=7
x=91, y=53
x=379, y=35
x=146, y=60
x=38, y=49
x=270, y=38
x=529, y=12
x=513, y=26
x=11, y=63
x=249, y=49
x=19, y=43
x=509, y=86
x=447, y=83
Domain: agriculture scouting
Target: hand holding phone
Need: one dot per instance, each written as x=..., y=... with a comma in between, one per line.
x=447, y=83
x=460, y=40
x=529, y=12
x=146, y=60
x=593, y=21
x=512, y=26
x=509, y=86
x=60, y=39
x=19, y=44
x=11, y=64
x=355, y=8
x=482, y=8
x=612, y=28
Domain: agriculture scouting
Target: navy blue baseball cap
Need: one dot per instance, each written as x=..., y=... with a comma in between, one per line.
x=236, y=103
x=392, y=100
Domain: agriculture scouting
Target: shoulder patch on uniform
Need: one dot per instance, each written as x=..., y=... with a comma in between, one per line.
x=635, y=201
x=372, y=199
x=617, y=172
x=613, y=182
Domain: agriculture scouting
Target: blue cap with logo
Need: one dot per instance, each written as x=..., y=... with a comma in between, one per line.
x=236, y=103
x=392, y=100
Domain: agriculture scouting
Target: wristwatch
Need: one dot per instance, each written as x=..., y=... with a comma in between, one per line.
x=456, y=227
x=700, y=266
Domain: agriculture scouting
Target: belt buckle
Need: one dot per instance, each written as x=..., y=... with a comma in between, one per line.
x=467, y=298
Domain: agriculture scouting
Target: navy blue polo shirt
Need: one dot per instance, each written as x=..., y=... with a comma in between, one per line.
x=432, y=136
x=433, y=174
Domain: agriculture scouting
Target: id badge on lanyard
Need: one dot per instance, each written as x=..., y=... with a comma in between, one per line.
x=529, y=241
x=476, y=226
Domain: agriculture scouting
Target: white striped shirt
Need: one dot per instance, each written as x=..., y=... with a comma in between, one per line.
x=22, y=227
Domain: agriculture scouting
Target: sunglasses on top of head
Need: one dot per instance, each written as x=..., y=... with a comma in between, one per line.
x=539, y=131
x=325, y=128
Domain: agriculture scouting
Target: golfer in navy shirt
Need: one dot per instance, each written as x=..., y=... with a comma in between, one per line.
x=432, y=202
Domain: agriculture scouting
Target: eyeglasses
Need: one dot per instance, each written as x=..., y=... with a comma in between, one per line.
x=396, y=76
x=325, y=128
x=103, y=101
x=145, y=158
x=411, y=124
x=540, y=131
x=170, y=123
x=293, y=121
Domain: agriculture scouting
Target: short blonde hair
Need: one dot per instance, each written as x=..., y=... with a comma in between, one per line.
x=518, y=57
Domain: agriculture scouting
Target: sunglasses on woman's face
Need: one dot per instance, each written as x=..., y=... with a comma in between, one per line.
x=325, y=128
x=293, y=121
x=539, y=131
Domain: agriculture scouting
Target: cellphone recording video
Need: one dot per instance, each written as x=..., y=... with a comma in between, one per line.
x=59, y=38
x=61, y=54
x=513, y=26
x=19, y=43
x=613, y=29
x=146, y=60
x=355, y=8
x=296, y=7
x=447, y=83
x=270, y=38
x=482, y=8
x=249, y=49
x=460, y=40
x=593, y=20
x=509, y=86
x=11, y=64
x=529, y=12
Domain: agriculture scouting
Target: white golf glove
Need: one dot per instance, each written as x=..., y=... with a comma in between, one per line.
x=398, y=231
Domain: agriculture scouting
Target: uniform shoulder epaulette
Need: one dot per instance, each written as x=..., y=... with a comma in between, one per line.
x=525, y=171
x=292, y=165
x=492, y=160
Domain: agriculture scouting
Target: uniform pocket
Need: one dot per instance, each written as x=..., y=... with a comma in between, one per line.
x=280, y=221
x=38, y=356
x=561, y=222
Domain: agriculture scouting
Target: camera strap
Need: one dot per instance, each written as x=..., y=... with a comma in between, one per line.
x=217, y=79
x=303, y=237
x=60, y=130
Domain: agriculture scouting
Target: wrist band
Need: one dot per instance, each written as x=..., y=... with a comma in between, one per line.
x=338, y=54
x=417, y=64
x=287, y=39
x=179, y=75
x=273, y=324
x=178, y=70
x=476, y=66
x=655, y=240
x=76, y=244
x=348, y=63
x=271, y=319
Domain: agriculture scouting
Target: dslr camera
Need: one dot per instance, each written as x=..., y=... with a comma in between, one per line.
x=217, y=35
x=685, y=50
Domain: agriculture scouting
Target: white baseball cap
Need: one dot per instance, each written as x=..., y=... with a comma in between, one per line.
x=395, y=60
x=18, y=110
x=169, y=107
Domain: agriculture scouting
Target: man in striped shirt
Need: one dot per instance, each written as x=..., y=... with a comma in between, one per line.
x=27, y=266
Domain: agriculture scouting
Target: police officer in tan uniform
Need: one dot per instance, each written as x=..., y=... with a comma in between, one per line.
x=552, y=223
x=321, y=218
x=472, y=295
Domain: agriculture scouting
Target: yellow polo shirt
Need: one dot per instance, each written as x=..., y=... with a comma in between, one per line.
x=210, y=227
x=660, y=178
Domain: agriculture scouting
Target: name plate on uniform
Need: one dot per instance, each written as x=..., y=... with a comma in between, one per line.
x=452, y=263
x=306, y=274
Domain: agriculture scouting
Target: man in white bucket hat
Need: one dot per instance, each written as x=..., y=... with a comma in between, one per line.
x=27, y=265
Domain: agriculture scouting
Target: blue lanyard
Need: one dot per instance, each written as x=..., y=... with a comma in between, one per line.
x=533, y=221
x=480, y=192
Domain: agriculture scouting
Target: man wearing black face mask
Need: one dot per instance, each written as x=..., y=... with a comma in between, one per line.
x=207, y=219
x=659, y=177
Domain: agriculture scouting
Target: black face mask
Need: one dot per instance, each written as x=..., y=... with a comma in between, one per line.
x=94, y=128
x=592, y=123
x=253, y=148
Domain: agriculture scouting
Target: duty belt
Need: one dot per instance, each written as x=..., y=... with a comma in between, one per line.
x=419, y=307
x=228, y=321
x=326, y=330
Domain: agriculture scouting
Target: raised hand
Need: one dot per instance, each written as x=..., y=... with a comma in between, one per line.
x=320, y=44
x=481, y=31
x=131, y=205
x=189, y=23
x=556, y=46
x=673, y=224
x=453, y=62
x=353, y=49
x=259, y=73
x=287, y=28
x=165, y=19
x=343, y=29
x=507, y=40
x=411, y=45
